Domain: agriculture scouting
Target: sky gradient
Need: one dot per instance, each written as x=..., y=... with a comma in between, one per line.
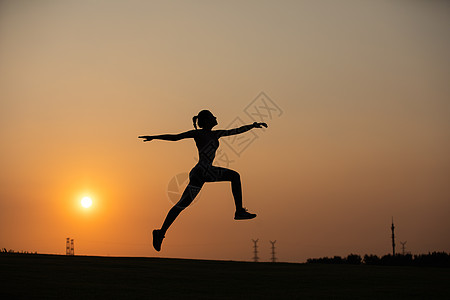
x=362, y=133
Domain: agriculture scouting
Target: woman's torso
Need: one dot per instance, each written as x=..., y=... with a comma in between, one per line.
x=207, y=143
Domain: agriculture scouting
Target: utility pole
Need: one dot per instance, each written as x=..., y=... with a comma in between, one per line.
x=393, y=237
x=255, y=250
x=274, y=259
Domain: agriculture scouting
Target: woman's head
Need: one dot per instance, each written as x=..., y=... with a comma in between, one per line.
x=205, y=119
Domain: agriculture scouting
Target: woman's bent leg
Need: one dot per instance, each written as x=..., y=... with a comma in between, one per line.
x=223, y=174
x=236, y=189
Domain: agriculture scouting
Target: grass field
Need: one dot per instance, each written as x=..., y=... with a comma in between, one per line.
x=87, y=277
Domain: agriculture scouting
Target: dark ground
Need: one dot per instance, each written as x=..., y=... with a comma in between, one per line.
x=85, y=277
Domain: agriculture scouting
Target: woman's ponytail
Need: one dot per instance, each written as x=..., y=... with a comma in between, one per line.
x=194, y=120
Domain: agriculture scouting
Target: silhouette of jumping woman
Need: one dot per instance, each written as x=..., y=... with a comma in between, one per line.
x=207, y=142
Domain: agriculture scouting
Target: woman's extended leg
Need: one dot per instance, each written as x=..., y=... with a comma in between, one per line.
x=189, y=194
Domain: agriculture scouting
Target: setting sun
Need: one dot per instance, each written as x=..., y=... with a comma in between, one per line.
x=86, y=202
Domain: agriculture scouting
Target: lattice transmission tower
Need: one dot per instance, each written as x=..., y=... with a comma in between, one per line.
x=403, y=247
x=255, y=250
x=70, y=247
x=67, y=246
x=72, y=250
x=274, y=259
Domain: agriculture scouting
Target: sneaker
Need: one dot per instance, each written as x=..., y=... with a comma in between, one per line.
x=242, y=214
x=158, y=237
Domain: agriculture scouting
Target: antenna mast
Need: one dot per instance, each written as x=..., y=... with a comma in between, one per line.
x=393, y=237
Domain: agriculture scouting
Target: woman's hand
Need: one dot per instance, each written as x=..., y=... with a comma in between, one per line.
x=259, y=125
x=147, y=138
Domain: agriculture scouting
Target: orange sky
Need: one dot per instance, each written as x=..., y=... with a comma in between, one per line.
x=363, y=135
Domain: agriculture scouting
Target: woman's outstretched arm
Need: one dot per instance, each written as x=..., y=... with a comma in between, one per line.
x=241, y=129
x=168, y=137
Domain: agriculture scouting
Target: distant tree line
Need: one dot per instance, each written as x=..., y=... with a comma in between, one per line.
x=438, y=259
x=12, y=251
